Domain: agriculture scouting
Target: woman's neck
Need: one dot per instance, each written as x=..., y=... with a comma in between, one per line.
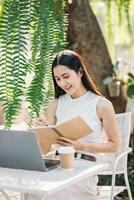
x=79, y=93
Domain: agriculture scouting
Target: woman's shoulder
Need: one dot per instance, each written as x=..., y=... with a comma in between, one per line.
x=54, y=102
x=104, y=103
x=104, y=106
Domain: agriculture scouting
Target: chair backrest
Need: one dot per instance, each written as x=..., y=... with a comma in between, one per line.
x=124, y=127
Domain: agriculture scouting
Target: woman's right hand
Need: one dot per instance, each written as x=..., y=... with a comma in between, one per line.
x=40, y=121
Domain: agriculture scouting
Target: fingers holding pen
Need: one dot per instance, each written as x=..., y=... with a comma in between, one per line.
x=40, y=121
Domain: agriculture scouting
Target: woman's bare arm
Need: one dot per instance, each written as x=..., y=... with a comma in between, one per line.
x=107, y=116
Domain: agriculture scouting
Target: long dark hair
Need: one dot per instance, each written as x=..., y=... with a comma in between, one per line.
x=73, y=61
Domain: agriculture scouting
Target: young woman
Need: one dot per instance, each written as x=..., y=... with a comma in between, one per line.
x=76, y=94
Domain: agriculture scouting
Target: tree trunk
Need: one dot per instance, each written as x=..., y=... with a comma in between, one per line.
x=86, y=38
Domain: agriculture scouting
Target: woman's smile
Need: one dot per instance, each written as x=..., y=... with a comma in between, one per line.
x=67, y=88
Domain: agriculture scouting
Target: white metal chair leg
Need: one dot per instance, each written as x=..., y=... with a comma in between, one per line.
x=127, y=185
x=43, y=197
x=112, y=187
x=5, y=195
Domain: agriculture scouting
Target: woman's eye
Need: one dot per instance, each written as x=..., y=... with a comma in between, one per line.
x=66, y=76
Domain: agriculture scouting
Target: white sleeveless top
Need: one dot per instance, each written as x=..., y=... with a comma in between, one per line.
x=84, y=106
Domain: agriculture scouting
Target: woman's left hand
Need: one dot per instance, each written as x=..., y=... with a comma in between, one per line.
x=68, y=142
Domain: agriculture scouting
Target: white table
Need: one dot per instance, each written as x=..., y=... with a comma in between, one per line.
x=47, y=182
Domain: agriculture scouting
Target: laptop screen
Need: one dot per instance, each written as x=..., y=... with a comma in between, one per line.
x=20, y=150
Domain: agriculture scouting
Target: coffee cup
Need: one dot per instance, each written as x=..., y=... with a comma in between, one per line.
x=66, y=155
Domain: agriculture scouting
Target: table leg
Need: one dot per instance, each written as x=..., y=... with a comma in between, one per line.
x=22, y=196
x=30, y=197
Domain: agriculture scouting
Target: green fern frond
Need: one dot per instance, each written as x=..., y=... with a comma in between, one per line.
x=13, y=37
x=48, y=38
x=46, y=22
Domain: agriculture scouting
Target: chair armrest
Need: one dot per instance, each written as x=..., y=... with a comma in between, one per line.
x=113, y=161
x=120, y=155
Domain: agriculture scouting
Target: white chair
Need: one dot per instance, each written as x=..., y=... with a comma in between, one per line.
x=117, y=162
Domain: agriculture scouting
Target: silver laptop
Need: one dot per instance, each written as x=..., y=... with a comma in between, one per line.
x=20, y=150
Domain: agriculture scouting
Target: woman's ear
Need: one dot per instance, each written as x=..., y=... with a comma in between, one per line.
x=80, y=73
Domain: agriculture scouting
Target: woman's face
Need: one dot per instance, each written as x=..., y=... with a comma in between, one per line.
x=67, y=79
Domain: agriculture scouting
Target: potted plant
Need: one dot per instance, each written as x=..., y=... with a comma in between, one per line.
x=114, y=87
x=113, y=82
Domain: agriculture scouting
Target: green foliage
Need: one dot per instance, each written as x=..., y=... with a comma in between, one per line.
x=126, y=6
x=118, y=26
x=48, y=37
x=117, y=12
x=120, y=7
x=123, y=6
x=43, y=23
x=14, y=24
x=130, y=85
x=109, y=22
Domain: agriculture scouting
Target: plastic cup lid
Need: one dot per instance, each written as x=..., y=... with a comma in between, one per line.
x=66, y=149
